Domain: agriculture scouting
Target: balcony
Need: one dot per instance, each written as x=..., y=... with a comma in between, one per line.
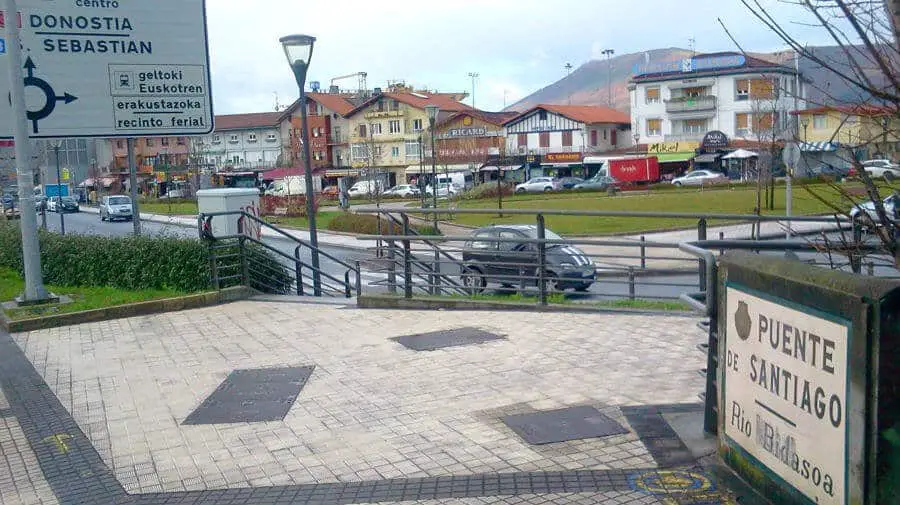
x=691, y=104
x=376, y=114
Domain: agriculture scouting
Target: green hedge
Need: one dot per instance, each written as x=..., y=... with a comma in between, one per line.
x=119, y=262
x=367, y=224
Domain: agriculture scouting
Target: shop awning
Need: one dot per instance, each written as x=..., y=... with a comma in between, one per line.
x=107, y=181
x=818, y=147
x=505, y=168
x=561, y=165
x=674, y=157
x=706, y=158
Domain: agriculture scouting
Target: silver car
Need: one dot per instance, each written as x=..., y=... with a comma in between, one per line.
x=700, y=178
x=115, y=207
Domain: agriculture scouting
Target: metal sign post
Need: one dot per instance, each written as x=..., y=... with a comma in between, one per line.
x=132, y=186
x=18, y=123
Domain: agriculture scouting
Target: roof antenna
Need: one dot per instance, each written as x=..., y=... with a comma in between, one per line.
x=693, y=44
x=278, y=106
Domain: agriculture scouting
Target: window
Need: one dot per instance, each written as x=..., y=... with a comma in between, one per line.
x=545, y=139
x=251, y=137
x=567, y=139
x=395, y=105
x=336, y=133
x=604, y=134
x=693, y=92
x=820, y=121
x=542, y=115
x=362, y=131
x=483, y=241
x=394, y=126
x=359, y=152
x=120, y=144
x=694, y=126
x=417, y=125
x=271, y=137
x=509, y=235
x=654, y=127
x=651, y=95
x=233, y=139
x=763, y=122
x=395, y=152
x=742, y=89
x=377, y=151
x=594, y=139
x=742, y=124
x=315, y=132
x=376, y=128
x=164, y=141
x=412, y=149
x=522, y=140
x=217, y=139
x=236, y=159
x=762, y=89
x=380, y=105
x=613, y=137
x=180, y=141
x=149, y=142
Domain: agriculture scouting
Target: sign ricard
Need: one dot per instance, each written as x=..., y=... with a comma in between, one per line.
x=104, y=68
x=785, y=392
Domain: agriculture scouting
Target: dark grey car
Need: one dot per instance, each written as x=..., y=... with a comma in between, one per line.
x=494, y=255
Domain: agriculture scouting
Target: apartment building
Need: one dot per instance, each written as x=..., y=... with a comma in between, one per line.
x=550, y=129
x=328, y=130
x=242, y=142
x=743, y=97
x=836, y=134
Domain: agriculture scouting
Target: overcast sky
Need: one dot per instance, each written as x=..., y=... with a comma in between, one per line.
x=517, y=46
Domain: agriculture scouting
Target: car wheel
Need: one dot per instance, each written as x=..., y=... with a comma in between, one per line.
x=551, y=281
x=677, y=184
x=889, y=176
x=474, y=281
x=548, y=189
x=520, y=190
x=583, y=288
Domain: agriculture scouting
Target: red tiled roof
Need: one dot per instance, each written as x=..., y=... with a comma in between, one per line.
x=587, y=114
x=244, y=121
x=333, y=102
x=495, y=118
x=853, y=110
x=419, y=100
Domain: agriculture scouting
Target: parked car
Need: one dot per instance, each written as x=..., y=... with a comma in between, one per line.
x=570, y=182
x=403, y=191
x=40, y=203
x=599, y=183
x=62, y=205
x=878, y=169
x=538, y=185
x=365, y=188
x=827, y=170
x=890, y=208
x=10, y=207
x=700, y=178
x=445, y=189
x=487, y=260
x=115, y=207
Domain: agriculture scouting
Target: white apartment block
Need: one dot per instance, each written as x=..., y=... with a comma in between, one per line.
x=744, y=97
x=242, y=141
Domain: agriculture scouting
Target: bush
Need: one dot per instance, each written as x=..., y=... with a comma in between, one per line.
x=487, y=190
x=295, y=205
x=119, y=262
x=367, y=224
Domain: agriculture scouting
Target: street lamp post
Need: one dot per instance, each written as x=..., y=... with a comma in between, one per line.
x=433, y=111
x=473, y=75
x=608, y=53
x=62, y=215
x=299, y=50
x=421, y=183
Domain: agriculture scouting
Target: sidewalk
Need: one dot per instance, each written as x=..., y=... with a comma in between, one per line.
x=277, y=400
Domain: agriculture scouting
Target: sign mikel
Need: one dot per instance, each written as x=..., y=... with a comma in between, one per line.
x=785, y=391
x=108, y=68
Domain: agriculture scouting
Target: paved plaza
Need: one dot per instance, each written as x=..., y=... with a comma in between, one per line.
x=353, y=406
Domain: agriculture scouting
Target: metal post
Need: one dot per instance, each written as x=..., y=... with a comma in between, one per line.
x=542, y=259
x=62, y=215
x=31, y=253
x=298, y=270
x=245, y=267
x=856, y=258
x=407, y=260
x=643, y=253
x=310, y=194
x=132, y=183
x=434, y=190
x=701, y=235
x=631, y=291
x=721, y=237
x=392, y=267
x=358, y=279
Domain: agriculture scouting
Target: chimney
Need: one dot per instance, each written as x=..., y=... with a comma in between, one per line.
x=334, y=89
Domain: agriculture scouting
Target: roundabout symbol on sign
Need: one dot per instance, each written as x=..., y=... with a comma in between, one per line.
x=50, y=97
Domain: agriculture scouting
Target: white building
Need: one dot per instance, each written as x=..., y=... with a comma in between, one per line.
x=743, y=97
x=552, y=129
x=242, y=141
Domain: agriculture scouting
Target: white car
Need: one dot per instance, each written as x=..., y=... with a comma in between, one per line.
x=869, y=208
x=700, y=178
x=403, y=191
x=538, y=185
x=881, y=168
x=444, y=190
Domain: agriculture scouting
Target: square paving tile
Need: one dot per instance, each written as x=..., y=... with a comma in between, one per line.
x=252, y=396
x=435, y=340
x=563, y=425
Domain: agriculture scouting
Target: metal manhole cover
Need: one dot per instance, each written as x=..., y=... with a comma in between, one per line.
x=252, y=396
x=446, y=338
x=563, y=425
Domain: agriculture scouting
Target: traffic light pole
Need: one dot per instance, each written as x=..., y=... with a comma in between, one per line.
x=31, y=253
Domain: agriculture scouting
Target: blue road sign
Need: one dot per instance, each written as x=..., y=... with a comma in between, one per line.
x=2, y=46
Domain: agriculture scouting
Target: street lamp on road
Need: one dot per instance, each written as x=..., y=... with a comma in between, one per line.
x=433, y=111
x=299, y=49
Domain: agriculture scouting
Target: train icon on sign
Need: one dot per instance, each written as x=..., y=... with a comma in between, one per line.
x=124, y=80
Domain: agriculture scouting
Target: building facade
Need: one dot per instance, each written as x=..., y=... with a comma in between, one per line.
x=743, y=97
x=471, y=136
x=242, y=142
x=328, y=130
x=835, y=135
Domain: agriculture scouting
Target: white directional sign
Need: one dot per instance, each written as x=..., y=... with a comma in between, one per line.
x=106, y=68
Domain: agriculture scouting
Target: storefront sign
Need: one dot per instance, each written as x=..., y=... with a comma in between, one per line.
x=672, y=147
x=562, y=158
x=717, y=62
x=785, y=391
x=696, y=64
x=465, y=132
x=715, y=140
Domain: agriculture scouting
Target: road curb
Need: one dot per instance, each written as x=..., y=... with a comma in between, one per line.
x=200, y=300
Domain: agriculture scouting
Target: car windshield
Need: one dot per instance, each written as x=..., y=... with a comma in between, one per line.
x=120, y=200
x=68, y=199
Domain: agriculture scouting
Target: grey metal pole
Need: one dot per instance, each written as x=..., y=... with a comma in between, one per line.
x=434, y=190
x=132, y=183
x=310, y=194
x=31, y=252
x=62, y=215
x=789, y=186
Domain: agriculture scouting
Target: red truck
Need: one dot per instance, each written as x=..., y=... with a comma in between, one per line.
x=626, y=170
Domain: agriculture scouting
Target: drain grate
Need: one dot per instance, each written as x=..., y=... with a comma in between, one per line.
x=563, y=425
x=252, y=396
x=447, y=338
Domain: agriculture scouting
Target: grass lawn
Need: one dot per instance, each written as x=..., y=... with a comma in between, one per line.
x=83, y=298
x=323, y=218
x=725, y=201
x=560, y=299
x=171, y=209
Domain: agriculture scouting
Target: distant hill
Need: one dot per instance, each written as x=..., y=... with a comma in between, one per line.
x=587, y=85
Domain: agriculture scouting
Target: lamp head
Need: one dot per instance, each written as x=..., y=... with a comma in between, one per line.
x=432, y=111
x=298, y=48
